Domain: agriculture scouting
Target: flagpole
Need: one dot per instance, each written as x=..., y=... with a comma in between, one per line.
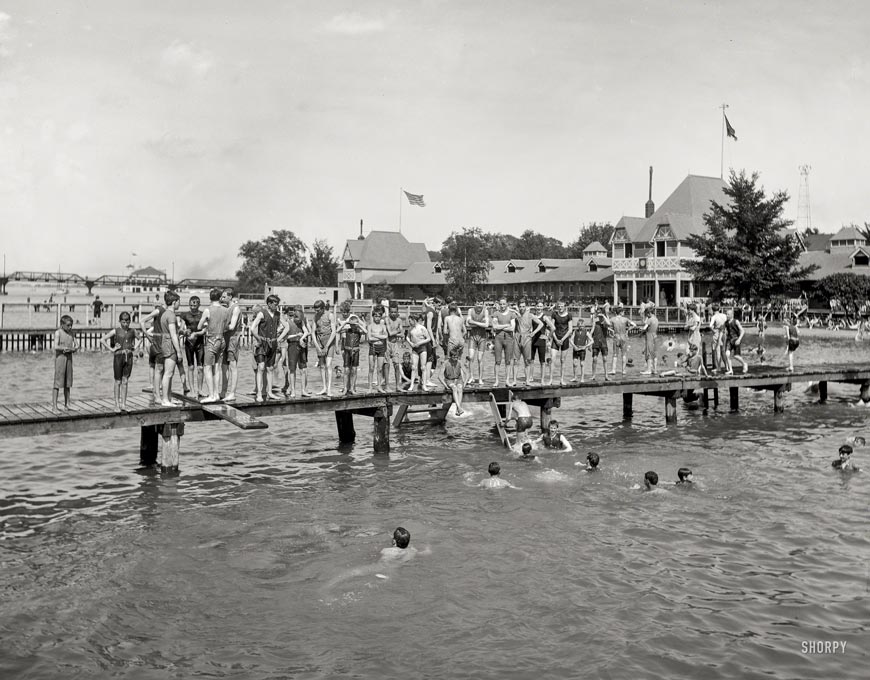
x=400, y=210
x=722, y=156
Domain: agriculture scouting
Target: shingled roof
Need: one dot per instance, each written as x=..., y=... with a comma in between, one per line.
x=684, y=209
x=384, y=250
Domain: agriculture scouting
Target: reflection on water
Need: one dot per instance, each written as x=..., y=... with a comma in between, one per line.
x=222, y=570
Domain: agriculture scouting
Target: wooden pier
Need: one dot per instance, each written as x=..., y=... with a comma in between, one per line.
x=158, y=422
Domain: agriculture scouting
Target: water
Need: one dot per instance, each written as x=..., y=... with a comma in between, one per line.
x=224, y=570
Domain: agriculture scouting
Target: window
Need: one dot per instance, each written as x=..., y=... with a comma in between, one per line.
x=660, y=248
x=629, y=250
x=593, y=267
x=511, y=268
x=541, y=267
x=438, y=268
x=862, y=260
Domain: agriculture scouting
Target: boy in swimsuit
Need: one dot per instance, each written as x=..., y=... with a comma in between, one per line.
x=170, y=348
x=620, y=325
x=268, y=331
x=684, y=477
x=65, y=345
x=324, y=337
x=541, y=339
x=406, y=367
x=232, y=344
x=214, y=320
x=527, y=452
x=844, y=463
x=420, y=340
x=733, y=337
x=297, y=330
x=150, y=326
x=494, y=481
x=592, y=461
x=650, y=333
x=580, y=342
x=354, y=331
x=563, y=328
x=792, y=339
x=553, y=439
x=504, y=325
x=650, y=481
x=453, y=376
x=478, y=329
x=377, y=334
x=194, y=345
x=121, y=342
x=454, y=331
x=600, y=329
x=523, y=419
x=395, y=343
x=528, y=327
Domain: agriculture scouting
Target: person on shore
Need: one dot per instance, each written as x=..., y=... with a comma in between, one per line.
x=395, y=343
x=378, y=334
x=650, y=330
x=121, y=342
x=684, y=477
x=581, y=341
x=523, y=419
x=353, y=330
x=504, y=325
x=232, y=344
x=420, y=341
x=65, y=345
x=453, y=377
x=477, y=323
x=600, y=330
x=296, y=332
x=495, y=481
x=324, y=338
x=215, y=321
x=150, y=327
x=194, y=345
x=541, y=340
x=563, y=328
x=268, y=331
x=170, y=348
x=620, y=324
x=733, y=337
x=844, y=462
x=792, y=339
x=98, y=310
x=553, y=439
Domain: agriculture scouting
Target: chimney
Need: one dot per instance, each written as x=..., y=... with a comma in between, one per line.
x=650, y=206
x=360, y=237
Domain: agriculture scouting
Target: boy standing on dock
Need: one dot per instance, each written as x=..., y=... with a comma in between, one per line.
x=395, y=342
x=600, y=327
x=563, y=328
x=734, y=334
x=155, y=359
x=792, y=339
x=194, y=345
x=620, y=325
x=650, y=334
x=419, y=339
x=214, y=319
x=170, y=348
x=377, y=335
x=122, y=345
x=65, y=345
x=268, y=331
x=478, y=328
x=580, y=342
x=324, y=338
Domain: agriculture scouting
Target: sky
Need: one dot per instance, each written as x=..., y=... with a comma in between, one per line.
x=179, y=130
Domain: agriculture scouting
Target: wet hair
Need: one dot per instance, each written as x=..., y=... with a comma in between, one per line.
x=553, y=422
x=683, y=472
x=402, y=537
x=170, y=296
x=494, y=468
x=215, y=294
x=592, y=457
x=651, y=478
x=845, y=450
x=273, y=299
x=527, y=449
x=124, y=315
x=192, y=298
x=860, y=441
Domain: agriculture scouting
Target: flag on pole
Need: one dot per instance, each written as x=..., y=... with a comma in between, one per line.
x=415, y=199
x=728, y=129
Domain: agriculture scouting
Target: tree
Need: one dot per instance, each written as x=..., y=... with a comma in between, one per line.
x=322, y=267
x=498, y=246
x=845, y=287
x=278, y=259
x=532, y=246
x=588, y=234
x=745, y=251
x=466, y=264
x=864, y=231
x=379, y=291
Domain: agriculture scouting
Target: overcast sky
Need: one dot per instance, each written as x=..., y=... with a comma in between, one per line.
x=178, y=130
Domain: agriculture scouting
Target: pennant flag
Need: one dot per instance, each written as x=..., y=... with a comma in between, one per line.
x=415, y=199
x=133, y=254
x=728, y=129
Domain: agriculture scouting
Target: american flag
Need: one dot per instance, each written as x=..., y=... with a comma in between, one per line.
x=416, y=199
x=728, y=129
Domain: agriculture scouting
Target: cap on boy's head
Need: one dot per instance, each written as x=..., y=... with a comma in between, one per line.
x=651, y=478
x=845, y=450
x=592, y=458
x=402, y=537
x=494, y=468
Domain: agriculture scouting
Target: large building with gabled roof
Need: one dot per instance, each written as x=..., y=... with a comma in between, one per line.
x=377, y=258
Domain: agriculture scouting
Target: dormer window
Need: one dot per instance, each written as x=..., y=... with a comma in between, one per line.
x=593, y=267
x=511, y=268
x=437, y=268
x=541, y=268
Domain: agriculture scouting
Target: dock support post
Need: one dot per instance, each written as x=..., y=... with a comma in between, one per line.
x=823, y=391
x=547, y=411
x=172, y=433
x=865, y=392
x=705, y=399
x=715, y=397
x=344, y=423
x=778, y=393
x=627, y=404
x=734, y=398
x=670, y=409
x=381, y=421
x=148, y=445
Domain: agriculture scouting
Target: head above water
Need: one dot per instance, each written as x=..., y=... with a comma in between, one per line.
x=402, y=537
x=650, y=479
x=683, y=473
x=494, y=468
x=527, y=449
x=845, y=451
x=592, y=458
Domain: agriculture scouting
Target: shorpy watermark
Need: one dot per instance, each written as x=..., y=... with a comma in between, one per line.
x=823, y=647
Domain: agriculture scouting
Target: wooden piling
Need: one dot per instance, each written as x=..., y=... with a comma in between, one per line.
x=670, y=409
x=823, y=391
x=715, y=397
x=778, y=400
x=734, y=398
x=705, y=399
x=148, y=445
x=172, y=433
x=627, y=405
x=865, y=392
x=344, y=423
x=381, y=419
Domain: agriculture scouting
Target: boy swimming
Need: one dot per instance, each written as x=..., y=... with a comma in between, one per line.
x=844, y=462
x=553, y=439
x=650, y=481
x=684, y=476
x=494, y=481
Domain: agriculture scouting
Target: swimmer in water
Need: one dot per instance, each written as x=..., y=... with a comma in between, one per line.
x=650, y=481
x=684, y=476
x=400, y=550
x=527, y=452
x=844, y=462
x=553, y=439
x=494, y=481
x=523, y=419
x=592, y=462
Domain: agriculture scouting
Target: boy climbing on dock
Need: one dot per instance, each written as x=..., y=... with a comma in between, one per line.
x=65, y=345
x=121, y=342
x=453, y=377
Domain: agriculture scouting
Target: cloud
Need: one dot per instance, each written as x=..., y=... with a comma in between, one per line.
x=353, y=23
x=182, y=61
x=6, y=34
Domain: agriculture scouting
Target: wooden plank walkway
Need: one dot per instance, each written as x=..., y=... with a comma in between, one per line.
x=32, y=419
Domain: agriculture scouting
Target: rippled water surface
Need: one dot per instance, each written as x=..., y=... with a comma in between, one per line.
x=259, y=560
